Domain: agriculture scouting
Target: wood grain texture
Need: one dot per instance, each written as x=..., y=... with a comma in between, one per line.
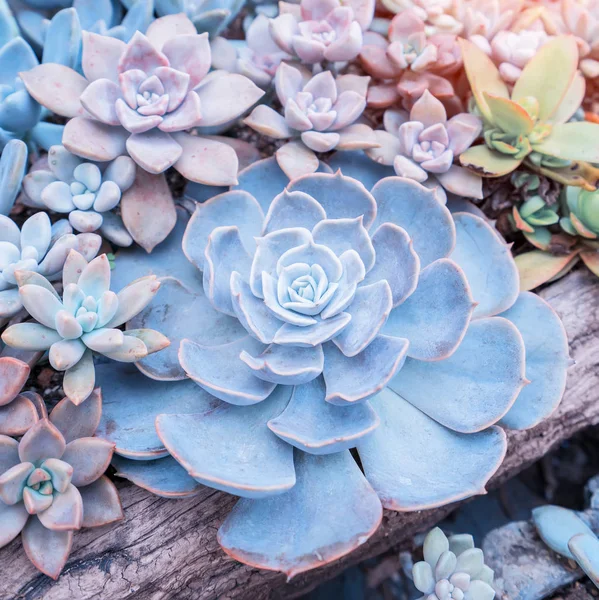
x=167, y=548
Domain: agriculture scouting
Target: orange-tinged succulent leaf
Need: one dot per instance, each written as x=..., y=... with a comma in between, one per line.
x=558, y=57
x=540, y=238
x=591, y=260
x=508, y=115
x=571, y=101
x=482, y=75
x=520, y=222
x=581, y=228
x=572, y=141
x=487, y=162
x=538, y=267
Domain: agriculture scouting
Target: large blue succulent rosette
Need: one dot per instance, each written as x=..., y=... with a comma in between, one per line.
x=330, y=324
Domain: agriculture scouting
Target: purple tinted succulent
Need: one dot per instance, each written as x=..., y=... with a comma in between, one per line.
x=40, y=247
x=52, y=484
x=317, y=116
x=139, y=98
x=85, y=320
x=258, y=57
x=318, y=31
x=87, y=191
x=331, y=318
x=423, y=145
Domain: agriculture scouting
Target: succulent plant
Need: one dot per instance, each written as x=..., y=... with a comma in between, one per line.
x=85, y=190
x=437, y=14
x=84, y=321
x=257, y=57
x=568, y=533
x=39, y=247
x=580, y=212
x=317, y=116
x=452, y=569
x=13, y=164
x=422, y=146
x=530, y=125
x=581, y=19
x=321, y=31
x=18, y=410
x=139, y=98
x=328, y=319
x=52, y=484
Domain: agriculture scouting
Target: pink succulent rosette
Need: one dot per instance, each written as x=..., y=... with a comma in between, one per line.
x=321, y=30
x=318, y=116
x=140, y=98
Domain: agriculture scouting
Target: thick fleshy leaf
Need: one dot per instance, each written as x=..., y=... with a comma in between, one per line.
x=557, y=526
x=196, y=442
x=414, y=208
x=317, y=427
x=537, y=267
x=435, y=317
x=219, y=371
x=355, y=379
x=585, y=549
x=94, y=140
x=65, y=513
x=12, y=521
x=13, y=165
x=133, y=298
x=224, y=254
x=341, y=197
x=17, y=417
x=476, y=385
x=13, y=482
x=79, y=381
x=101, y=503
x=42, y=441
x=9, y=453
x=289, y=365
x=78, y=421
x=189, y=53
x=414, y=463
x=571, y=141
x=164, y=477
x=509, y=116
x=488, y=264
x=312, y=335
x=357, y=165
x=40, y=303
x=48, y=550
x=148, y=209
x=296, y=159
x=154, y=150
x=56, y=87
x=488, y=163
x=13, y=375
x=129, y=423
x=293, y=209
x=206, y=160
x=288, y=533
x=560, y=56
x=89, y=458
x=269, y=122
x=167, y=27
x=547, y=359
x=100, y=56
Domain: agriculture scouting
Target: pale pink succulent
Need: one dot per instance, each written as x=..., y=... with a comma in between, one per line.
x=139, y=98
x=436, y=14
x=423, y=144
x=320, y=30
x=581, y=19
x=318, y=116
x=257, y=57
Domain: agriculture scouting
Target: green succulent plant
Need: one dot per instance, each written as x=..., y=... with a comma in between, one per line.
x=530, y=125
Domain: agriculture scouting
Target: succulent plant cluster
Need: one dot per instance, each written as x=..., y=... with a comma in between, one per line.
x=258, y=263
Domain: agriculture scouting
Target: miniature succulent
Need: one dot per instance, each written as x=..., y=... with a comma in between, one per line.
x=85, y=190
x=530, y=126
x=139, y=98
x=321, y=31
x=422, y=146
x=18, y=410
x=329, y=318
x=452, y=569
x=84, y=321
x=52, y=484
x=581, y=212
x=437, y=14
x=317, y=116
x=40, y=247
x=568, y=533
x=258, y=57
x=581, y=19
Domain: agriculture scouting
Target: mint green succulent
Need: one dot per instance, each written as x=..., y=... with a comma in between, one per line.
x=581, y=212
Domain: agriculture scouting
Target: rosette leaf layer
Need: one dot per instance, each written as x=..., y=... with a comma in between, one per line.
x=330, y=317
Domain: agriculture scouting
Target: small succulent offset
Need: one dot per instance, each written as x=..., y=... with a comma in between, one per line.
x=38, y=247
x=422, y=146
x=85, y=190
x=321, y=31
x=317, y=116
x=452, y=569
x=530, y=125
x=84, y=321
x=139, y=98
x=568, y=533
x=52, y=484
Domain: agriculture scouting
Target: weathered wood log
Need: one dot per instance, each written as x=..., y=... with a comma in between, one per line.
x=167, y=548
